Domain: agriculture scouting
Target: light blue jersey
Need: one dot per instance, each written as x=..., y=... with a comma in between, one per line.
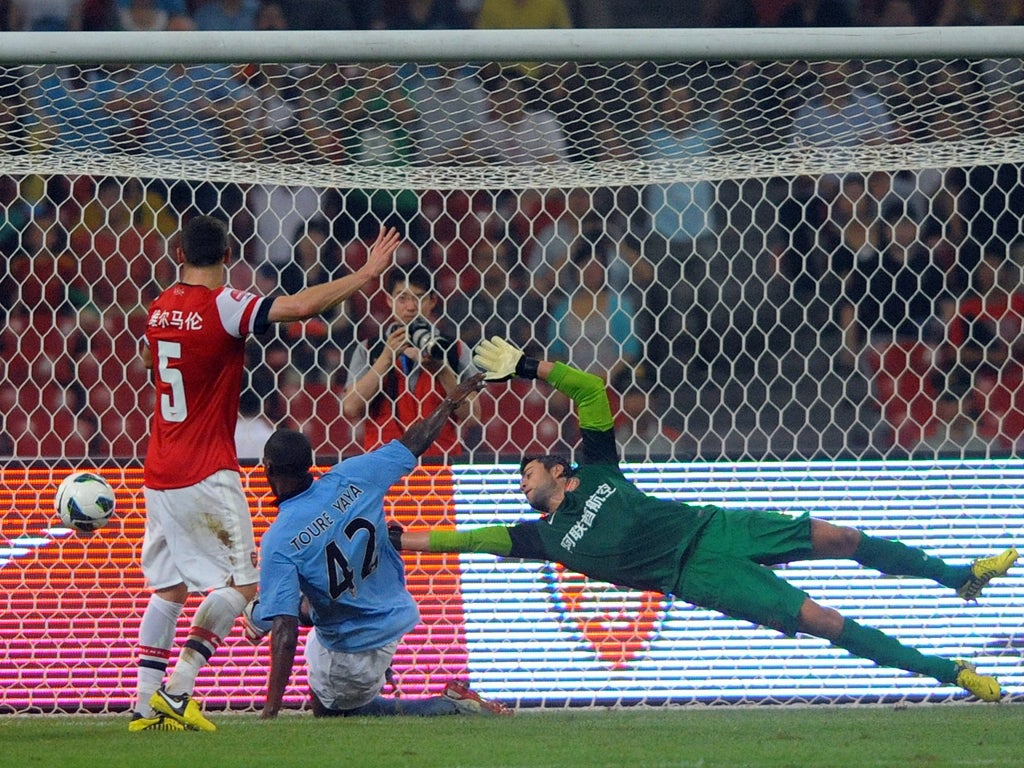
x=330, y=543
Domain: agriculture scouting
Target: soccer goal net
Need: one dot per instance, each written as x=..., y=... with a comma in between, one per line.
x=774, y=248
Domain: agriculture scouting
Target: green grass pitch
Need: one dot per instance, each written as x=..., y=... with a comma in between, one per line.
x=919, y=736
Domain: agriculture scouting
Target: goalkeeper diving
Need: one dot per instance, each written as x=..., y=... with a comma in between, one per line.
x=596, y=522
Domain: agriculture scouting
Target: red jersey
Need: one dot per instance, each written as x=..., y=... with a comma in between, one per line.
x=410, y=406
x=197, y=339
x=1002, y=314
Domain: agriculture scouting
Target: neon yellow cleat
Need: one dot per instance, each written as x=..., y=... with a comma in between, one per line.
x=184, y=709
x=159, y=722
x=985, y=687
x=984, y=570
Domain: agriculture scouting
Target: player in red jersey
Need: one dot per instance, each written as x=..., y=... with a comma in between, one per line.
x=199, y=534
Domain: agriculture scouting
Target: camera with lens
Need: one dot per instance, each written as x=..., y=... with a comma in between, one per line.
x=430, y=342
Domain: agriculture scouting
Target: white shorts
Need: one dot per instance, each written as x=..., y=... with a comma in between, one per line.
x=344, y=681
x=200, y=535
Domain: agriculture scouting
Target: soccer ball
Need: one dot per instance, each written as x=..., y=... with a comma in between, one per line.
x=84, y=501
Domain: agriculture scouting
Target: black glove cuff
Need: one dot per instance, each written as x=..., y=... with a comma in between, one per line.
x=526, y=368
x=395, y=535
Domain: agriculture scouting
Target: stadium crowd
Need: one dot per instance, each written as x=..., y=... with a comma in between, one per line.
x=909, y=280
x=140, y=15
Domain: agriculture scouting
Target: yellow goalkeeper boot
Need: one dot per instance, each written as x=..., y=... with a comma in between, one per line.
x=985, y=687
x=182, y=708
x=984, y=570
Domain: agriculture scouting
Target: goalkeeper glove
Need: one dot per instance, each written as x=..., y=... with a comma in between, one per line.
x=500, y=360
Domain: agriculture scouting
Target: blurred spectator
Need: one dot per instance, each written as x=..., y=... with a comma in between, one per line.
x=269, y=365
x=850, y=234
x=182, y=111
x=838, y=112
x=46, y=274
x=895, y=13
x=592, y=324
x=101, y=16
x=985, y=338
x=728, y=13
x=279, y=210
x=424, y=14
x=86, y=440
x=375, y=125
x=816, y=13
x=122, y=262
x=144, y=15
x=46, y=15
x=523, y=14
x=175, y=11
x=393, y=381
x=451, y=104
x=252, y=428
x=513, y=134
x=71, y=109
x=333, y=14
x=495, y=297
x=642, y=429
x=568, y=92
x=954, y=431
x=552, y=243
x=314, y=343
x=15, y=116
x=226, y=15
x=187, y=112
x=15, y=214
x=683, y=214
x=314, y=256
x=996, y=12
x=768, y=11
x=893, y=296
x=684, y=222
x=270, y=16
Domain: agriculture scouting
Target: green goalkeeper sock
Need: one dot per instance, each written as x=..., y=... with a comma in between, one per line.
x=885, y=651
x=897, y=559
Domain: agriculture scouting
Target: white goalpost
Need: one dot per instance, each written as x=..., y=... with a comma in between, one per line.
x=795, y=255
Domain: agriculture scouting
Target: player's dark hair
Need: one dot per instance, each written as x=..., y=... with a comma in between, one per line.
x=287, y=452
x=549, y=461
x=204, y=240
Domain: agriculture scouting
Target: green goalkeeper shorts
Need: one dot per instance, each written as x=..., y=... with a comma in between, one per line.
x=727, y=568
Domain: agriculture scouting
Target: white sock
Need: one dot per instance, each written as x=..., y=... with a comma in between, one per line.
x=156, y=638
x=213, y=621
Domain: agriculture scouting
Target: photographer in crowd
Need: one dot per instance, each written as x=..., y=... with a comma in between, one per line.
x=399, y=378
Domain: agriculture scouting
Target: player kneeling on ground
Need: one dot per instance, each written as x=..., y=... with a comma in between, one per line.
x=596, y=522
x=329, y=545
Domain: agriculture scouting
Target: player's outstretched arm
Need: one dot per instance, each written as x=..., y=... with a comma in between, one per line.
x=491, y=540
x=501, y=360
x=284, y=638
x=421, y=435
x=319, y=298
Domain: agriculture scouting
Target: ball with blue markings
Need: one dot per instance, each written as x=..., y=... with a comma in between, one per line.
x=84, y=501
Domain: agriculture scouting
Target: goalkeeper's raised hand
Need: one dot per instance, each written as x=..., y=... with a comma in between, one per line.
x=500, y=360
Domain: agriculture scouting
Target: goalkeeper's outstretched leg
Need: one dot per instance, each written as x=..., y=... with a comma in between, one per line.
x=894, y=558
x=886, y=651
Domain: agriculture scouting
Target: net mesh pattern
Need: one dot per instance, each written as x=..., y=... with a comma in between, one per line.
x=766, y=260
x=738, y=213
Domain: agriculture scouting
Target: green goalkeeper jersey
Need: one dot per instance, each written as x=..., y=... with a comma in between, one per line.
x=608, y=529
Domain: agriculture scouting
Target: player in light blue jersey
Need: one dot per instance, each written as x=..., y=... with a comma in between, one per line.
x=329, y=545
